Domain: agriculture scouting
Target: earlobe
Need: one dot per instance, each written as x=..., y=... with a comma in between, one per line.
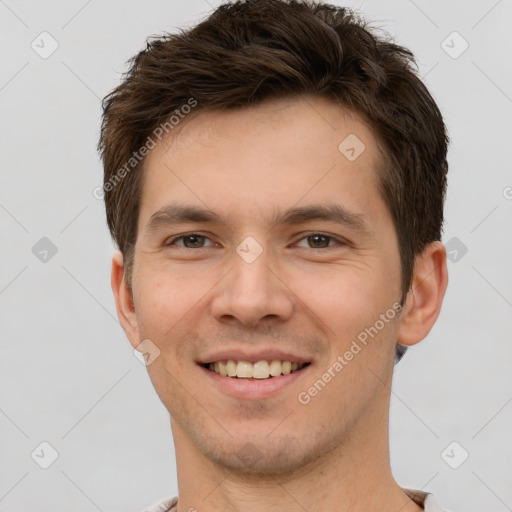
x=124, y=300
x=425, y=297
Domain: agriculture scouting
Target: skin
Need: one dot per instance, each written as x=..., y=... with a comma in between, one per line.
x=306, y=295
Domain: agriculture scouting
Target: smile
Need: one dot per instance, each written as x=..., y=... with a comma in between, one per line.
x=258, y=370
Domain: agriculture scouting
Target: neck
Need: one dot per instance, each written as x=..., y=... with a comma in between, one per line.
x=355, y=476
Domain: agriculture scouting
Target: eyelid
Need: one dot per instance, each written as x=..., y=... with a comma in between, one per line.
x=340, y=241
x=174, y=239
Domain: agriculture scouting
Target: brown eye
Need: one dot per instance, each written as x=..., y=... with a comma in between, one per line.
x=195, y=241
x=192, y=241
x=316, y=241
x=320, y=241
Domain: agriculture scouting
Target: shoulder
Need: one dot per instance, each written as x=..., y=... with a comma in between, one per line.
x=165, y=505
x=424, y=499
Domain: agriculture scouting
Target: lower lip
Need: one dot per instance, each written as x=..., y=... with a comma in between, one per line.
x=253, y=389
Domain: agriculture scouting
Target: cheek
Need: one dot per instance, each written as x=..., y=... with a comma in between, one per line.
x=345, y=296
x=172, y=299
x=346, y=303
x=162, y=300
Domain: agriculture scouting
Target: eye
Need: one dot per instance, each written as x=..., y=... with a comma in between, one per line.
x=319, y=241
x=190, y=241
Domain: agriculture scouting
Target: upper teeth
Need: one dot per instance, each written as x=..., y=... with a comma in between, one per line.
x=257, y=370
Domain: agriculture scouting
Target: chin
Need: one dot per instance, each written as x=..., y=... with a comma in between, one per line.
x=250, y=456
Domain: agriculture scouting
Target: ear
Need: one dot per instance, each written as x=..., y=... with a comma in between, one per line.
x=124, y=300
x=424, y=300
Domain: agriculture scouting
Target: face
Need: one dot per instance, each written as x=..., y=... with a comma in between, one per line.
x=293, y=257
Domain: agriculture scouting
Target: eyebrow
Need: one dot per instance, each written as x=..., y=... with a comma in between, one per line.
x=327, y=212
x=181, y=214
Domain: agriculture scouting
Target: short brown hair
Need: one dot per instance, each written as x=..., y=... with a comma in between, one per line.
x=249, y=51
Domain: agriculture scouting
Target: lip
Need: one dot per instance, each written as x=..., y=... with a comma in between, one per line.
x=253, y=389
x=252, y=356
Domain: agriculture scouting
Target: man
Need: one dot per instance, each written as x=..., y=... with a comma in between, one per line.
x=274, y=180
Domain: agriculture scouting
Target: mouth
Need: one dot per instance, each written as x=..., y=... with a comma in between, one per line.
x=259, y=370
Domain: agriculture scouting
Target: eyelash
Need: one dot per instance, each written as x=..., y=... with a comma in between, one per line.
x=331, y=238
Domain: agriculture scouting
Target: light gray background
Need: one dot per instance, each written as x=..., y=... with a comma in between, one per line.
x=68, y=375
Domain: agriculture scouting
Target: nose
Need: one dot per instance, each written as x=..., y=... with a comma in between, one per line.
x=252, y=292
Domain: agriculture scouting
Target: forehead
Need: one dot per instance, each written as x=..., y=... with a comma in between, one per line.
x=277, y=153
x=308, y=119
